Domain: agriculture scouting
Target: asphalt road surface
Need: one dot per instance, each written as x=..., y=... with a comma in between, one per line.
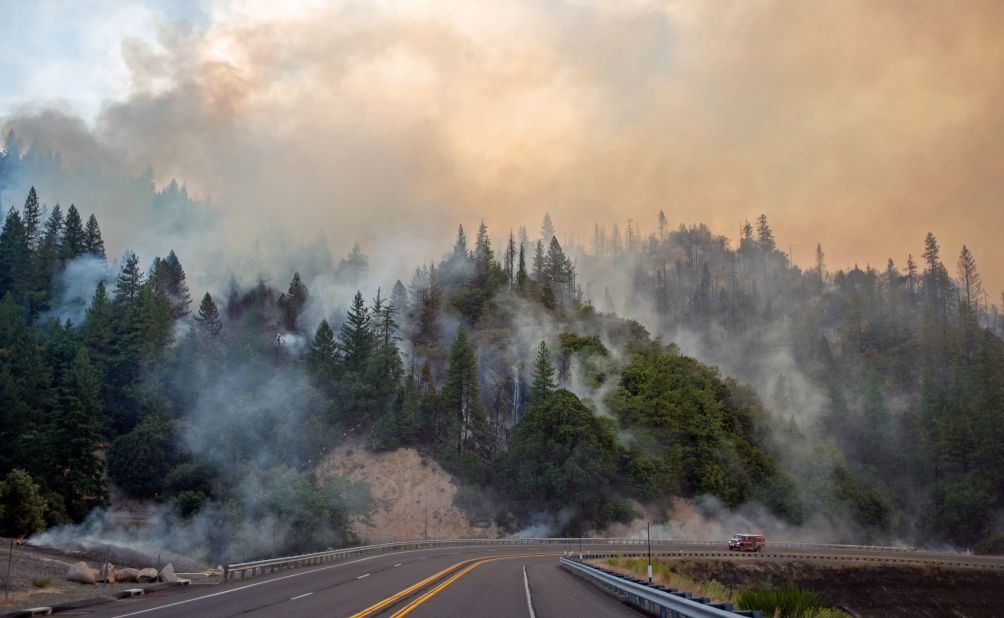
x=484, y=581
x=472, y=581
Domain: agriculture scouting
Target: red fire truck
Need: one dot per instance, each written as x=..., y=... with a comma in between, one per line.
x=747, y=542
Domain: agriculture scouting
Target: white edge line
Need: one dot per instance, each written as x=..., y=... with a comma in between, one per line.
x=529, y=602
x=397, y=565
x=306, y=594
x=362, y=576
x=268, y=581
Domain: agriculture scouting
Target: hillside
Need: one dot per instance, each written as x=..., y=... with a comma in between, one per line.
x=495, y=366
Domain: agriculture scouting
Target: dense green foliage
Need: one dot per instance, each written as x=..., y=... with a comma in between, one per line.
x=22, y=508
x=564, y=456
x=695, y=432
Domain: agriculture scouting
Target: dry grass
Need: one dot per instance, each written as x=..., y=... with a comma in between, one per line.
x=784, y=602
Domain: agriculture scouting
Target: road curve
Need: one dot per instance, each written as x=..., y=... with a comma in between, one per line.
x=503, y=580
x=490, y=583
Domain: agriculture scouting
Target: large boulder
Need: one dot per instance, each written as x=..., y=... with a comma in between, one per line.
x=81, y=573
x=126, y=575
x=167, y=574
x=147, y=575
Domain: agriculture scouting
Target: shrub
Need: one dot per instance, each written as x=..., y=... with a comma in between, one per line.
x=41, y=582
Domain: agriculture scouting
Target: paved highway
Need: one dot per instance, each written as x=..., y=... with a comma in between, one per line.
x=474, y=581
x=484, y=581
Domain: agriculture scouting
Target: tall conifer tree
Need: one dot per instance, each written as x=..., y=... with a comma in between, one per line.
x=93, y=243
x=208, y=319
x=72, y=243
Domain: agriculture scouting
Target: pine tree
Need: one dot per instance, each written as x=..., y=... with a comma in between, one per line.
x=355, y=339
x=208, y=320
x=820, y=263
x=156, y=321
x=134, y=312
x=456, y=267
x=662, y=226
x=128, y=284
x=399, y=297
x=543, y=376
x=93, y=243
x=322, y=357
x=510, y=261
x=932, y=252
x=461, y=393
x=50, y=250
x=15, y=256
x=911, y=275
x=935, y=279
x=295, y=300
x=539, y=262
x=72, y=243
x=32, y=214
x=765, y=236
x=547, y=229
x=970, y=284
x=522, y=279
x=556, y=265
x=387, y=366
x=170, y=280
x=746, y=231
x=98, y=331
x=25, y=390
x=483, y=256
x=77, y=437
x=353, y=268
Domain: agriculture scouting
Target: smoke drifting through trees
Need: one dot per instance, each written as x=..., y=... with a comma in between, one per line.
x=747, y=310
x=853, y=365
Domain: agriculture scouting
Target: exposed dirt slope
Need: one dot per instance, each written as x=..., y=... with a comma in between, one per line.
x=413, y=495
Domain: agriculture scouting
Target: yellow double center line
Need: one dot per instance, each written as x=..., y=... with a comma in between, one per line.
x=426, y=596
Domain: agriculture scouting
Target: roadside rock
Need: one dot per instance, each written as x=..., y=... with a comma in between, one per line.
x=167, y=574
x=126, y=575
x=81, y=573
x=147, y=575
x=108, y=573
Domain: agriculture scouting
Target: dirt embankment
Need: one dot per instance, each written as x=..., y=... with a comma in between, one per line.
x=413, y=495
x=866, y=589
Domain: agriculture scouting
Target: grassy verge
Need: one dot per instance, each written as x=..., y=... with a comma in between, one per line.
x=782, y=602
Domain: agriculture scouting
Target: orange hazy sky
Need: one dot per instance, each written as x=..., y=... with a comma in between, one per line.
x=856, y=124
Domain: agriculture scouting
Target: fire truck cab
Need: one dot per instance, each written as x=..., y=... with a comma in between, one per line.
x=747, y=542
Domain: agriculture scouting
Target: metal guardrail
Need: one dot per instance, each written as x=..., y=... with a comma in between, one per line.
x=976, y=562
x=656, y=598
x=261, y=567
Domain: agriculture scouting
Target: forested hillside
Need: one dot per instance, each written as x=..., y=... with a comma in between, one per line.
x=894, y=376
x=219, y=413
x=869, y=401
